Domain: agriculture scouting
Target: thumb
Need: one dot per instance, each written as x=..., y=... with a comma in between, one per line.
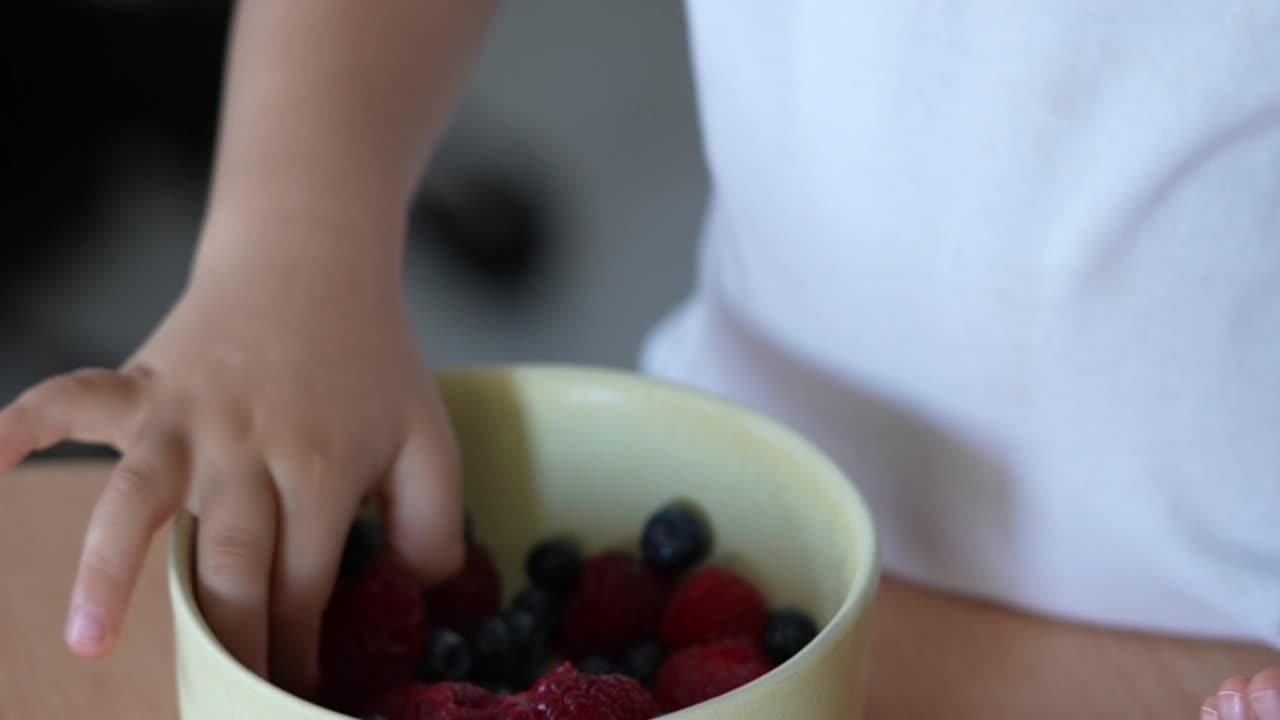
x=424, y=513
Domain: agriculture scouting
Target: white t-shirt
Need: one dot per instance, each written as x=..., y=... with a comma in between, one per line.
x=1015, y=264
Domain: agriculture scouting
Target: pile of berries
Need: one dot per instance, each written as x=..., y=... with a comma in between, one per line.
x=614, y=635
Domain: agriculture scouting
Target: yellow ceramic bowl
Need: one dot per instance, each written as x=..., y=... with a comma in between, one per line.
x=554, y=449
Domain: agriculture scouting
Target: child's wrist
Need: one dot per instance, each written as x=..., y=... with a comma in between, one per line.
x=307, y=278
x=289, y=235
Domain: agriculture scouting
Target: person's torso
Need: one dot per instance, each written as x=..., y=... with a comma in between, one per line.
x=1017, y=265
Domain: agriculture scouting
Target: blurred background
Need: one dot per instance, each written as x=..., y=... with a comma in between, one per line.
x=558, y=222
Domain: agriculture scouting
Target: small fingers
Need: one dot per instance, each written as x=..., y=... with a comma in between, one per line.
x=92, y=406
x=313, y=529
x=143, y=491
x=235, y=547
x=424, y=505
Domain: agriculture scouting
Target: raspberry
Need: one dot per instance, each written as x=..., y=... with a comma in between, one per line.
x=711, y=605
x=702, y=672
x=441, y=701
x=372, y=635
x=399, y=703
x=468, y=597
x=516, y=707
x=566, y=694
x=618, y=603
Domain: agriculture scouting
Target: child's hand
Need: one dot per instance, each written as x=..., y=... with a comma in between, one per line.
x=270, y=402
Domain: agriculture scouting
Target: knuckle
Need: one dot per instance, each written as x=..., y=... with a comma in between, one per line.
x=233, y=427
x=93, y=376
x=134, y=483
x=309, y=465
x=221, y=438
x=236, y=553
x=139, y=371
x=64, y=388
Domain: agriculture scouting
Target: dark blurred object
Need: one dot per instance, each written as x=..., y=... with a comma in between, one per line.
x=77, y=79
x=81, y=83
x=493, y=225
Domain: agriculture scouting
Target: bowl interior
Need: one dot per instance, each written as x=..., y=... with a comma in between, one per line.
x=594, y=454
x=590, y=453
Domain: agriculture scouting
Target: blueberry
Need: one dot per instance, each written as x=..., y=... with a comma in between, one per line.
x=642, y=662
x=448, y=658
x=364, y=540
x=527, y=634
x=542, y=605
x=787, y=633
x=553, y=565
x=594, y=665
x=528, y=647
x=674, y=540
x=492, y=652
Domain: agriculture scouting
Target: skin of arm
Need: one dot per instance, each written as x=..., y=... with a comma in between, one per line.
x=330, y=112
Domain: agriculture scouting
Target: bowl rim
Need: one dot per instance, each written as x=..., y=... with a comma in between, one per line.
x=855, y=606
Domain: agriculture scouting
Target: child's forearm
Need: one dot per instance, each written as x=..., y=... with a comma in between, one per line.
x=330, y=110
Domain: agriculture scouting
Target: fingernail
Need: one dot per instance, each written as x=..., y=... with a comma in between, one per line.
x=87, y=630
x=1207, y=714
x=1266, y=704
x=1231, y=706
